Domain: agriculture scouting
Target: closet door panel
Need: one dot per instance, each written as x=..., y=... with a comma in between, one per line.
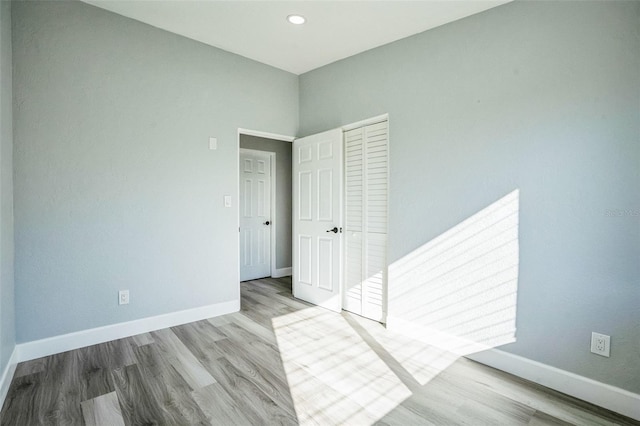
x=354, y=204
x=366, y=211
x=376, y=178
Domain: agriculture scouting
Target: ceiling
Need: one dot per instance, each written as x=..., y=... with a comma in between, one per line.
x=259, y=30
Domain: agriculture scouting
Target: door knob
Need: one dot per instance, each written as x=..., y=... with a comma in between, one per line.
x=334, y=230
x=266, y=223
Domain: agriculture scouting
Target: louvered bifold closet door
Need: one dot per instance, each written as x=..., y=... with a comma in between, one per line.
x=366, y=171
x=354, y=203
x=375, y=219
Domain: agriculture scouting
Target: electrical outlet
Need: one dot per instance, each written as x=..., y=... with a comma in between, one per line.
x=123, y=297
x=600, y=344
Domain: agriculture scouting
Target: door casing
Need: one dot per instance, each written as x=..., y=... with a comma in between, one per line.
x=266, y=135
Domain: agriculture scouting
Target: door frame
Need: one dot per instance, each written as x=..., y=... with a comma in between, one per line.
x=273, y=227
x=365, y=122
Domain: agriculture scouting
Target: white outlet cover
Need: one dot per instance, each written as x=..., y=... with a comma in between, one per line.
x=601, y=344
x=123, y=297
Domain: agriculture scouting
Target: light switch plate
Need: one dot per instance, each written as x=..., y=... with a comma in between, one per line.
x=227, y=200
x=213, y=143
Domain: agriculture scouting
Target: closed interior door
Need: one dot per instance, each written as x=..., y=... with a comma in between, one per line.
x=317, y=222
x=255, y=214
x=366, y=207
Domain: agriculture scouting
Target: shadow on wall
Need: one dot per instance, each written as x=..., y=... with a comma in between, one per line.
x=459, y=290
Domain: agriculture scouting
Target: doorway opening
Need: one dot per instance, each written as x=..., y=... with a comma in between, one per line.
x=264, y=204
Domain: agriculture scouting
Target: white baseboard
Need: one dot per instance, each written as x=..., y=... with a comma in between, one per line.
x=7, y=376
x=598, y=393
x=66, y=342
x=281, y=272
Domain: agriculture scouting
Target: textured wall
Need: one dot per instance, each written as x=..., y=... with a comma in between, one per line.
x=7, y=318
x=543, y=97
x=283, y=192
x=115, y=185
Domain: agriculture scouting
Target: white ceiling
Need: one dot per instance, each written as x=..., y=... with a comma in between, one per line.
x=258, y=29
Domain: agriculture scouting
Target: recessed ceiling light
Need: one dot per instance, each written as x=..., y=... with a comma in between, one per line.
x=296, y=19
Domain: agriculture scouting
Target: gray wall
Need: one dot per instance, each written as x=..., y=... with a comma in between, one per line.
x=543, y=97
x=7, y=318
x=115, y=187
x=283, y=192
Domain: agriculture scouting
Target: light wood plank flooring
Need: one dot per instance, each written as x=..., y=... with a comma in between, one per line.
x=280, y=361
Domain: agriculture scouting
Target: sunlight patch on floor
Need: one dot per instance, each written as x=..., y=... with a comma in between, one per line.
x=348, y=370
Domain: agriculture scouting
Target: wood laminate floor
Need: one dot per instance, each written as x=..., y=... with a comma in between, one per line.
x=279, y=361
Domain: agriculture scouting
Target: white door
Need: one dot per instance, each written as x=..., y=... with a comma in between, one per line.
x=317, y=219
x=255, y=211
x=366, y=200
